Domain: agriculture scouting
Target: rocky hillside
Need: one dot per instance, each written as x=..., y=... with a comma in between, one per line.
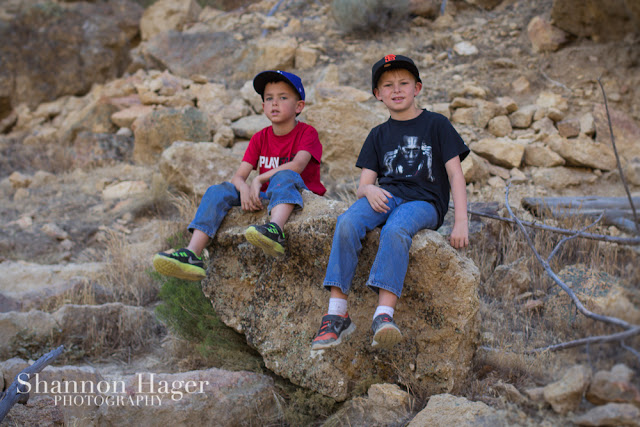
x=115, y=117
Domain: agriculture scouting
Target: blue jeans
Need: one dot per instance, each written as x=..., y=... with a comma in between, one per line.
x=401, y=223
x=284, y=187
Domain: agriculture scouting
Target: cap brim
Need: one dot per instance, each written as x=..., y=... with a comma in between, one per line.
x=260, y=81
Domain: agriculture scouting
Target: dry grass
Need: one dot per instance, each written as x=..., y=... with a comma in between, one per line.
x=509, y=329
x=126, y=278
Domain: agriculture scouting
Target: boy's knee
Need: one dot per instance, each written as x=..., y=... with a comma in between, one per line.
x=285, y=175
x=394, y=230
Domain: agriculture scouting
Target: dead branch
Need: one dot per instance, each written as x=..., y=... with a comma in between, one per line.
x=15, y=392
x=615, y=151
x=620, y=336
x=631, y=350
x=616, y=210
x=590, y=236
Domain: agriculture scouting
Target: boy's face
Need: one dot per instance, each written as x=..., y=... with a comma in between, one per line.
x=281, y=103
x=397, y=89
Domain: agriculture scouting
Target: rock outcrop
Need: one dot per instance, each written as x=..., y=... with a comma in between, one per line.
x=278, y=304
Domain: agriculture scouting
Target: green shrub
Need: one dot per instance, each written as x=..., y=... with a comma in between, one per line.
x=190, y=315
x=370, y=15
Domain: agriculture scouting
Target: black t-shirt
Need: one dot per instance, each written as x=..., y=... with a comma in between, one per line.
x=409, y=157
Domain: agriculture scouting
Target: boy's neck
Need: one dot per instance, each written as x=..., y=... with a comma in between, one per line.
x=409, y=114
x=284, y=128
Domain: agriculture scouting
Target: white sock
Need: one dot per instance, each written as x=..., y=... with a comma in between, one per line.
x=383, y=309
x=337, y=306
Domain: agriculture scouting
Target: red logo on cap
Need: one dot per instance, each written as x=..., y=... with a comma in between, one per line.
x=389, y=58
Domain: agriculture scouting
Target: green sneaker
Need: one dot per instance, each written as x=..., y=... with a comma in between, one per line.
x=268, y=237
x=182, y=264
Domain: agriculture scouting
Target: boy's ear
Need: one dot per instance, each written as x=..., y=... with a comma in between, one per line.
x=418, y=88
x=376, y=93
x=299, y=106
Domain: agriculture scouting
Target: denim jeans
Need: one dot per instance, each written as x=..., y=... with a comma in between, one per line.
x=401, y=223
x=284, y=187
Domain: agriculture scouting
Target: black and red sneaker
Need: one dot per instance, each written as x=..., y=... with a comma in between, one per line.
x=333, y=330
x=386, y=333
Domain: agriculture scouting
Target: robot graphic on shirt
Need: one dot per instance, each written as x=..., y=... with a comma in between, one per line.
x=410, y=158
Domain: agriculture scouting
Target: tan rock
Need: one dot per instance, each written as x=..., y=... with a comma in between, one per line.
x=165, y=15
x=565, y=395
x=507, y=103
x=587, y=124
x=124, y=190
x=193, y=167
x=246, y=127
x=626, y=131
x=19, y=180
x=274, y=53
x=502, y=152
x=509, y=280
x=523, y=117
x=583, y=152
x=521, y=85
x=543, y=36
x=475, y=168
x=547, y=99
x=569, y=128
x=125, y=118
x=611, y=414
x=538, y=154
x=383, y=402
x=449, y=410
x=306, y=57
x=439, y=354
x=613, y=386
x=562, y=177
x=500, y=126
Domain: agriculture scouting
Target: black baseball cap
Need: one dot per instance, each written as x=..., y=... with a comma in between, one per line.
x=260, y=81
x=389, y=62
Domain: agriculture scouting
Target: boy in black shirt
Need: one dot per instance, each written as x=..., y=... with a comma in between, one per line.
x=415, y=157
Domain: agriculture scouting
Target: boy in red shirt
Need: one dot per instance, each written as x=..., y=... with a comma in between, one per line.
x=287, y=156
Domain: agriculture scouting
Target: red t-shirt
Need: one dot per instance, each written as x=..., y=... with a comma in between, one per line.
x=267, y=151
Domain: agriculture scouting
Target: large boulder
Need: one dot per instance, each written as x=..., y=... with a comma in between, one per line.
x=159, y=129
x=206, y=397
x=342, y=127
x=591, y=18
x=278, y=304
x=193, y=166
x=54, y=49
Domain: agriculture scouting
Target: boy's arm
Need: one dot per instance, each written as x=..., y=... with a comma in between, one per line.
x=299, y=162
x=460, y=234
x=239, y=180
x=377, y=197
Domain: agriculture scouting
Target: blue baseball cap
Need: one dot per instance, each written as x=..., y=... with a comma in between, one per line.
x=260, y=81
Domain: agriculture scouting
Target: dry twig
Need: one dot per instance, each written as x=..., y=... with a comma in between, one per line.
x=615, y=151
x=602, y=237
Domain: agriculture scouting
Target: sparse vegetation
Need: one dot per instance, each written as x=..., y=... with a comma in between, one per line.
x=189, y=314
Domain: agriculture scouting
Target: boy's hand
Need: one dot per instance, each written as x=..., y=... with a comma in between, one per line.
x=256, y=185
x=246, y=202
x=459, y=235
x=377, y=198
